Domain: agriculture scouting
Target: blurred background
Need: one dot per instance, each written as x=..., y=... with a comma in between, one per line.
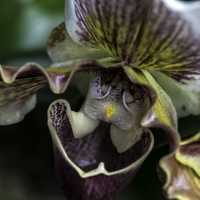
x=26, y=161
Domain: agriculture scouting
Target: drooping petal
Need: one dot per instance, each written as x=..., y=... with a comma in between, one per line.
x=18, y=99
x=15, y=111
x=90, y=168
x=182, y=170
x=160, y=40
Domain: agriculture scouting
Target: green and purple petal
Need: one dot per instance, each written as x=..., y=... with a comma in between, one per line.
x=17, y=95
x=182, y=170
x=160, y=40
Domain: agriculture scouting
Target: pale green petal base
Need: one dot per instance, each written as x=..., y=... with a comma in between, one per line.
x=80, y=123
x=123, y=140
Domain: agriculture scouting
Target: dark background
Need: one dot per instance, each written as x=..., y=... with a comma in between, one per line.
x=26, y=161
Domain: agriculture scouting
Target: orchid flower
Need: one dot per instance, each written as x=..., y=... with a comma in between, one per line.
x=144, y=60
x=183, y=171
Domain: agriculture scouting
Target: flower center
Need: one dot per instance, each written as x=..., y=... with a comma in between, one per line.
x=110, y=110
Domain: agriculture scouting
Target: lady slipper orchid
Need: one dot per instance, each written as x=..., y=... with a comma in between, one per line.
x=144, y=60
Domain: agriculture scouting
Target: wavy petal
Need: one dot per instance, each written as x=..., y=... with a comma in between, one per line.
x=15, y=111
x=57, y=76
x=160, y=40
x=18, y=99
x=18, y=88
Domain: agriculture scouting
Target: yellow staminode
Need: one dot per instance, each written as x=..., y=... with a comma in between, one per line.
x=110, y=110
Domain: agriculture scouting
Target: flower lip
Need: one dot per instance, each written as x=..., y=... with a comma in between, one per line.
x=75, y=151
